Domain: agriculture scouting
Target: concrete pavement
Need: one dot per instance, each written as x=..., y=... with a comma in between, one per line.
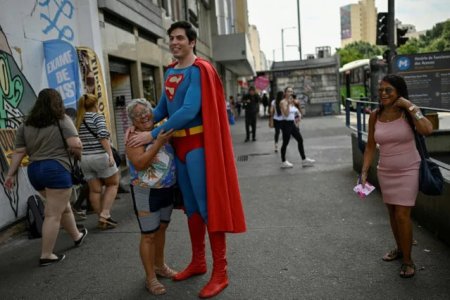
x=309, y=237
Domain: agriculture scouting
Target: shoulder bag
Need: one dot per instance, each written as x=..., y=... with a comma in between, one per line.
x=76, y=172
x=431, y=181
x=114, y=151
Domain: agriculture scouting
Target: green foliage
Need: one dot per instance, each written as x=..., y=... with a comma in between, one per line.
x=435, y=40
x=358, y=50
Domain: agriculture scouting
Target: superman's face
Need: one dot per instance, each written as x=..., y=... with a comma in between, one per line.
x=179, y=44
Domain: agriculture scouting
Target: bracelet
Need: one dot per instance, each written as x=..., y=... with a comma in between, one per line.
x=418, y=115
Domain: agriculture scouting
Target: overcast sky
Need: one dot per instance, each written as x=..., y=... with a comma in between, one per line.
x=320, y=21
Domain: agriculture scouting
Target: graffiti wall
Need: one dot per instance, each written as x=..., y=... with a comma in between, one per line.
x=26, y=68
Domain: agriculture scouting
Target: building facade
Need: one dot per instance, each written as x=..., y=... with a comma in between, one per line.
x=358, y=22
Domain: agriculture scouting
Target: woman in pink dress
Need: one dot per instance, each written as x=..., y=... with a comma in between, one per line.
x=398, y=165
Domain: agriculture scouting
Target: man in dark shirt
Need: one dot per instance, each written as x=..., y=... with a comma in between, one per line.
x=251, y=105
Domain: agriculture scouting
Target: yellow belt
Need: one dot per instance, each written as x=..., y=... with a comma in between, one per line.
x=188, y=131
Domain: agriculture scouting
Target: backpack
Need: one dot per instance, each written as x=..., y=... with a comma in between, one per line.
x=35, y=216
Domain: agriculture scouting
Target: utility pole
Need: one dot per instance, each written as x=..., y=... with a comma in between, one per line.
x=299, y=30
x=391, y=33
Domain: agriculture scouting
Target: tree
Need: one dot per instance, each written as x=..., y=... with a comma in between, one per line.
x=358, y=50
x=434, y=40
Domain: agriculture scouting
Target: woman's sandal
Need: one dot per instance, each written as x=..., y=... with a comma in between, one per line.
x=165, y=272
x=155, y=287
x=404, y=270
x=393, y=255
x=106, y=223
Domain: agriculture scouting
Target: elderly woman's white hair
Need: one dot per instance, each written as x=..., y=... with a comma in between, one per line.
x=134, y=103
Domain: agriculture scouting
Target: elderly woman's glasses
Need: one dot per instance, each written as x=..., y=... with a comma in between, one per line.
x=142, y=114
x=387, y=90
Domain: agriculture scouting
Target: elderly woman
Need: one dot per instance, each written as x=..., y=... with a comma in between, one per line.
x=152, y=172
x=41, y=138
x=97, y=163
x=398, y=166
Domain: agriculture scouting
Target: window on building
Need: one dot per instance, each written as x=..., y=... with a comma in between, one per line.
x=147, y=35
x=148, y=83
x=117, y=21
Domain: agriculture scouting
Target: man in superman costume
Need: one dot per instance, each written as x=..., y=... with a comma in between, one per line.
x=193, y=100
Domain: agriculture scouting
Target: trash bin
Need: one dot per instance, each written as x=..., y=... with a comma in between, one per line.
x=327, y=109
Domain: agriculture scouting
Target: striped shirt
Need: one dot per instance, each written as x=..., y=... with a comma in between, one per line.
x=97, y=124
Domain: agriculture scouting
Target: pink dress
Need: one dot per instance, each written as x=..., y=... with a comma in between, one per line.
x=398, y=166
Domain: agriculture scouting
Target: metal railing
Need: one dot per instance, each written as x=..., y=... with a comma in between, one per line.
x=363, y=109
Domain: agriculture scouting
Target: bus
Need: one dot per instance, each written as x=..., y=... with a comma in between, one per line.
x=359, y=79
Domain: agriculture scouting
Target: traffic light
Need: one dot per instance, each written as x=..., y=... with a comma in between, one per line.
x=401, y=39
x=382, y=28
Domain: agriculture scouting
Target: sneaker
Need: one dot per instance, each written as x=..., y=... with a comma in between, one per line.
x=84, y=233
x=43, y=262
x=286, y=164
x=308, y=162
x=276, y=148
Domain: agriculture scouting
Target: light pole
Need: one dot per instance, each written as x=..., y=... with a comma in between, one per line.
x=282, y=40
x=299, y=30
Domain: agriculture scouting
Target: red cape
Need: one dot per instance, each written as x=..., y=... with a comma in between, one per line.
x=225, y=212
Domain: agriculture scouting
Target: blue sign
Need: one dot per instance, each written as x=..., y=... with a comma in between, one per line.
x=61, y=65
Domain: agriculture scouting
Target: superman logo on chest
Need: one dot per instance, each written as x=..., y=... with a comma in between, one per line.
x=172, y=83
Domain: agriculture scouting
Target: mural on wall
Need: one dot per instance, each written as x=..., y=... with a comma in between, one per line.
x=92, y=77
x=62, y=72
x=55, y=12
x=7, y=137
x=14, y=88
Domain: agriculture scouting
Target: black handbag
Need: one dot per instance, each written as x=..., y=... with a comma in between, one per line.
x=76, y=172
x=431, y=181
x=116, y=154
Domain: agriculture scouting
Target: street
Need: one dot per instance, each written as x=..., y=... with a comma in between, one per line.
x=308, y=237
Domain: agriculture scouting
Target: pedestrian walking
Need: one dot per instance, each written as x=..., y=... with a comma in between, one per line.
x=193, y=101
x=152, y=172
x=398, y=165
x=289, y=128
x=97, y=162
x=265, y=103
x=275, y=117
x=49, y=171
x=251, y=103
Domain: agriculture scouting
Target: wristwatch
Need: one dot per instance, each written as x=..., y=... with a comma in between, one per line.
x=418, y=115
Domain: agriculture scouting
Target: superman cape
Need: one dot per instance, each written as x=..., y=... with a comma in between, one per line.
x=225, y=212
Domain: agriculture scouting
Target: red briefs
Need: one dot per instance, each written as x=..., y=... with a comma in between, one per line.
x=183, y=145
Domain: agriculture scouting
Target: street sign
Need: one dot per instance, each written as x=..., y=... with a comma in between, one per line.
x=427, y=76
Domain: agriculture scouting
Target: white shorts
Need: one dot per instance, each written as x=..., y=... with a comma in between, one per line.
x=97, y=166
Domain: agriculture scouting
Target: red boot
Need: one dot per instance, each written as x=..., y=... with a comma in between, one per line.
x=197, y=230
x=219, y=278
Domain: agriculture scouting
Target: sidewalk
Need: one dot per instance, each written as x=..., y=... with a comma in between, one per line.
x=309, y=237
